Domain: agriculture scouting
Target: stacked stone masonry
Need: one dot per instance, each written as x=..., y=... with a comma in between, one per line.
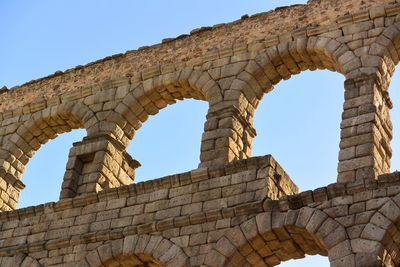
x=234, y=210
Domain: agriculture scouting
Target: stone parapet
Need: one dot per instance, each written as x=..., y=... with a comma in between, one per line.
x=246, y=213
x=234, y=210
x=170, y=205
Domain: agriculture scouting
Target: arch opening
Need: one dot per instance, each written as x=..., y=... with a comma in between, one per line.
x=30, y=135
x=169, y=143
x=137, y=250
x=279, y=245
x=45, y=171
x=305, y=133
x=275, y=251
x=274, y=64
x=150, y=97
x=308, y=260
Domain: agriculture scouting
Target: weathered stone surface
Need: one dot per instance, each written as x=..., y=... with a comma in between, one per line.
x=234, y=210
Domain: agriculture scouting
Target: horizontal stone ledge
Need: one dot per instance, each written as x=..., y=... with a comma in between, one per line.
x=286, y=202
x=155, y=226
x=391, y=181
x=151, y=186
x=294, y=202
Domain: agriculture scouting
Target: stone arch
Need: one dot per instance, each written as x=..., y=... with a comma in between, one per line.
x=21, y=260
x=46, y=124
x=153, y=94
x=386, y=49
x=281, y=61
x=256, y=75
x=37, y=129
x=380, y=237
x=273, y=237
x=137, y=250
x=366, y=98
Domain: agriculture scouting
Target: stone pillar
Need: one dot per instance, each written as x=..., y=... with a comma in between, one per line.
x=227, y=137
x=10, y=188
x=96, y=163
x=366, y=129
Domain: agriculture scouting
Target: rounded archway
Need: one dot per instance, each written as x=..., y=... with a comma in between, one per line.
x=273, y=237
x=38, y=172
x=34, y=131
x=155, y=93
x=137, y=250
x=172, y=138
x=299, y=124
x=21, y=260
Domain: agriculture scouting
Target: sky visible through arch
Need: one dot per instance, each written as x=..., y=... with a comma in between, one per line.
x=298, y=122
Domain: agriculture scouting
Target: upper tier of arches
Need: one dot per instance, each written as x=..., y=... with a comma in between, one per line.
x=232, y=80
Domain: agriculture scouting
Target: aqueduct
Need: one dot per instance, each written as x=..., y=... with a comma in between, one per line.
x=234, y=209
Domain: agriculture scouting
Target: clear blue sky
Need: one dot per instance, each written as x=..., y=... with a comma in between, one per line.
x=298, y=122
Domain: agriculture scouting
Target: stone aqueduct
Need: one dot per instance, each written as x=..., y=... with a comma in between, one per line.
x=234, y=210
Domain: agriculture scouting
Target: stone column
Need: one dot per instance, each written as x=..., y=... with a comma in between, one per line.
x=10, y=189
x=366, y=129
x=96, y=163
x=227, y=137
